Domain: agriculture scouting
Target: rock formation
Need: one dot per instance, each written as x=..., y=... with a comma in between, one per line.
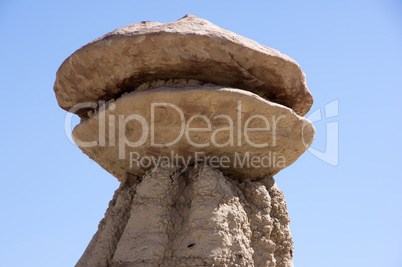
x=193, y=120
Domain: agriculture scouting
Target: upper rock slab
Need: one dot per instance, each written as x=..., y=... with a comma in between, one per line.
x=189, y=48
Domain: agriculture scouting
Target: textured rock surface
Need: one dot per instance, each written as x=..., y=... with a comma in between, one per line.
x=190, y=48
x=193, y=218
x=222, y=83
x=284, y=138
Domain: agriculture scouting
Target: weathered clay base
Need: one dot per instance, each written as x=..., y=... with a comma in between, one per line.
x=197, y=217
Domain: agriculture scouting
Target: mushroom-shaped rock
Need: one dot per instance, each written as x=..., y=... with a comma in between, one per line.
x=193, y=120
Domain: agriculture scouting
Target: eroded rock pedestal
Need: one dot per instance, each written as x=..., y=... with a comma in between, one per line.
x=174, y=90
x=197, y=217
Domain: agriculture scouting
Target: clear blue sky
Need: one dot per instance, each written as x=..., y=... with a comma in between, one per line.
x=52, y=196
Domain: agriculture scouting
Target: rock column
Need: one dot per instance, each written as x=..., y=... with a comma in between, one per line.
x=193, y=218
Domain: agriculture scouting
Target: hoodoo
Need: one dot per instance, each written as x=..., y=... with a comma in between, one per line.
x=194, y=121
